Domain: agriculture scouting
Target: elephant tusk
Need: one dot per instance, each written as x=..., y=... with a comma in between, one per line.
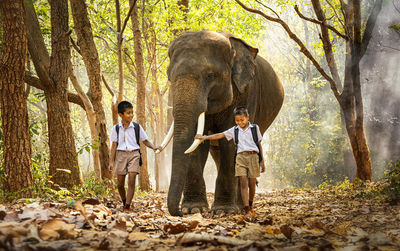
x=168, y=137
x=200, y=129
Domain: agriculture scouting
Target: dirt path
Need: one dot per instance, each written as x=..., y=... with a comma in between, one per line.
x=283, y=220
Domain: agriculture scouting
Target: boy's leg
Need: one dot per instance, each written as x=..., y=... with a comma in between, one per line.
x=131, y=188
x=252, y=190
x=121, y=187
x=244, y=189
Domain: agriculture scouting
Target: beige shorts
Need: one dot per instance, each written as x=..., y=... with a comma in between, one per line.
x=247, y=165
x=127, y=162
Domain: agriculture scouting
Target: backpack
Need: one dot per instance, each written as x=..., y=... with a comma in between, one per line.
x=137, y=134
x=255, y=138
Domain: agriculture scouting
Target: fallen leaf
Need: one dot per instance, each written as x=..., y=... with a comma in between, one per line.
x=57, y=229
x=136, y=236
x=287, y=231
x=91, y=201
x=175, y=228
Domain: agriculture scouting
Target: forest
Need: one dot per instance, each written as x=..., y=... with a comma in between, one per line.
x=320, y=78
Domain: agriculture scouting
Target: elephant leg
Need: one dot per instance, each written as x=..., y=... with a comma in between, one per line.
x=226, y=192
x=194, y=193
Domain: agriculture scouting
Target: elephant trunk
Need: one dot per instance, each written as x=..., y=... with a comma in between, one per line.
x=184, y=131
x=186, y=115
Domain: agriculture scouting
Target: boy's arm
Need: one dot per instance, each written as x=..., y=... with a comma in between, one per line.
x=112, y=155
x=150, y=145
x=210, y=137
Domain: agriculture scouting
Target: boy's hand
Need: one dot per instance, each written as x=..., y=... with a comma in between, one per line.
x=200, y=137
x=262, y=166
x=159, y=148
x=111, y=167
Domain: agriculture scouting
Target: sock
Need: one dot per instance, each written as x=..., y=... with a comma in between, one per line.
x=127, y=206
x=250, y=203
x=124, y=202
x=246, y=208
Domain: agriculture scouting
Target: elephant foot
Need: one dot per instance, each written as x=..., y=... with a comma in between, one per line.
x=222, y=210
x=194, y=208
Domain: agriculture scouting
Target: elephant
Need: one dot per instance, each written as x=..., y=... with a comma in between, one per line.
x=211, y=73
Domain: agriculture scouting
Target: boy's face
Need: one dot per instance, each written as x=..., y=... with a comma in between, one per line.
x=127, y=116
x=242, y=120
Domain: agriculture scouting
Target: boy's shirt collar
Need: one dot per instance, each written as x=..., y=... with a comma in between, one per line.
x=130, y=124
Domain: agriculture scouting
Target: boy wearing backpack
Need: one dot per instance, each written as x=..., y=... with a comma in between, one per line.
x=248, y=156
x=125, y=151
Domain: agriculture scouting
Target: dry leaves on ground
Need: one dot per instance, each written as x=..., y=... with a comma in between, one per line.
x=282, y=220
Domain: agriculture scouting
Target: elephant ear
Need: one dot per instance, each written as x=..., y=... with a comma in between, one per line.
x=244, y=67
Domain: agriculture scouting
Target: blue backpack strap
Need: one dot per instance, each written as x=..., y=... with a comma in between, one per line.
x=236, y=141
x=137, y=134
x=255, y=138
x=236, y=136
x=117, y=129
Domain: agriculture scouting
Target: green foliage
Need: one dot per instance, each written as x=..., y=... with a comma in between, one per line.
x=392, y=191
x=94, y=188
x=88, y=147
x=306, y=142
x=395, y=27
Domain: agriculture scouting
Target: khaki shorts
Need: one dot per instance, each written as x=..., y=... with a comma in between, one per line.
x=247, y=165
x=127, y=162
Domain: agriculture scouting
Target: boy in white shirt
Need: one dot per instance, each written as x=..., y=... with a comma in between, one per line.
x=248, y=157
x=125, y=151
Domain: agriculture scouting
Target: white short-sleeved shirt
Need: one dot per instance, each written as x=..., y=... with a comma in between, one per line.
x=246, y=142
x=127, y=137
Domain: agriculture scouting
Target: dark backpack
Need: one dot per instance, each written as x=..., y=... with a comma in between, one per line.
x=255, y=138
x=137, y=134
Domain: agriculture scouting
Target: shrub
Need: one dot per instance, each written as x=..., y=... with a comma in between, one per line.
x=392, y=177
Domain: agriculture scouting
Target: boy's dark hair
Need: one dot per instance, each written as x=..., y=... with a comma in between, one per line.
x=123, y=105
x=241, y=110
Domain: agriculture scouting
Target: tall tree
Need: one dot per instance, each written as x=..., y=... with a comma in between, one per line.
x=53, y=80
x=144, y=181
x=350, y=99
x=14, y=112
x=84, y=33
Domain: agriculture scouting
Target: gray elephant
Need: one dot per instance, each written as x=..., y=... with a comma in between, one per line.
x=211, y=73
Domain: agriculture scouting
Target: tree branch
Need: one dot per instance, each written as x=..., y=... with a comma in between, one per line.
x=36, y=46
x=127, y=18
x=268, y=8
x=336, y=14
x=74, y=98
x=33, y=80
x=370, y=27
x=75, y=46
x=303, y=48
x=107, y=86
x=296, y=8
x=327, y=45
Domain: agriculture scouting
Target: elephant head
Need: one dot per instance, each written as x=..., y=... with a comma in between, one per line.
x=207, y=71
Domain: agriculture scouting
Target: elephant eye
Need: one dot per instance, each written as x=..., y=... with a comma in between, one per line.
x=210, y=77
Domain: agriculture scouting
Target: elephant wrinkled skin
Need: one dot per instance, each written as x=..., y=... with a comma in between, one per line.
x=214, y=73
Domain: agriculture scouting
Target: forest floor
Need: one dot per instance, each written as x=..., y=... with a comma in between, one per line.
x=317, y=219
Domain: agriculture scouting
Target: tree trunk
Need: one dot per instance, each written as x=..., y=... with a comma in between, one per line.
x=14, y=112
x=61, y=137
x=144, y=182
x=358, y=144
x=362, y=156
x=120, y=66
x=53, y=75
x=90, y=56
x=91, y=117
